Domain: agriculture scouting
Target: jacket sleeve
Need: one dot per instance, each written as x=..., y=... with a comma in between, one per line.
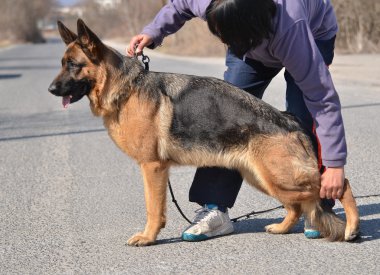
x=172, y=17
x=300, y=56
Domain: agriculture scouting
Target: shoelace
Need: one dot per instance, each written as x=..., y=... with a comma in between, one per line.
x=202, y=213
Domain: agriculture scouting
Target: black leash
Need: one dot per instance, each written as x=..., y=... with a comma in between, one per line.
x=145, y=59
x=250, y=214
x=255, y=213
x=176, y=203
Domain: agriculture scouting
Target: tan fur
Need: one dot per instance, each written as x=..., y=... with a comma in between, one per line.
x=294, y=213
x=352, y=213
x=134, y=129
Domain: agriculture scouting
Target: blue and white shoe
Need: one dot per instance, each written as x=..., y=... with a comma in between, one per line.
x=208, y=223
x=310, y=231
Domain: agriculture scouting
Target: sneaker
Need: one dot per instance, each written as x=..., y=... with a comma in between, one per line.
x=208, y=223
x=310, y=231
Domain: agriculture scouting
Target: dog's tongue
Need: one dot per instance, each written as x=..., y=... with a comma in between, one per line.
x=66, y=101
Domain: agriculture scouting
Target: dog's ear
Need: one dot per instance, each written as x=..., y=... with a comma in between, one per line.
x=66, y=35
x=90, y=43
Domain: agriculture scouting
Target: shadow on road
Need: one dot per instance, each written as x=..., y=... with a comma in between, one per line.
x=369, y=228
x=360, y=105
x=9, y=76
x=369, y=235
x=52, y=135
x=34, y=67
x=256, y=225
x=28, y=58
x=169, y=241
x=369, y=209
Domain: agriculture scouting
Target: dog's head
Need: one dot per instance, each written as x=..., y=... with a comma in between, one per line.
x=83, y=64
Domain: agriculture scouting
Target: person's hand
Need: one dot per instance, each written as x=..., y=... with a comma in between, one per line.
x=142, y=40
x=332, y=183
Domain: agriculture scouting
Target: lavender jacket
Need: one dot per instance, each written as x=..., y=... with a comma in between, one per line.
x=297, y=24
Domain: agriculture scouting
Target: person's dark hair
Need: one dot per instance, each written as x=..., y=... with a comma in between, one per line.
x=241, y=24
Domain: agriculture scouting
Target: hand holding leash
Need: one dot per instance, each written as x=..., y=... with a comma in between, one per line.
x=137, y=44
x=332, y=183
x=145, y=59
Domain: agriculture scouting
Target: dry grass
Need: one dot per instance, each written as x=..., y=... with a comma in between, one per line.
x=131, y=16
x=194, y=39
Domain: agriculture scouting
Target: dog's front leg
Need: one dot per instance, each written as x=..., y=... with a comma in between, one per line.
x=155, y=176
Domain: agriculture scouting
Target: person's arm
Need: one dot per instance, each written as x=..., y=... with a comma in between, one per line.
x=300, y=56
x=168, y=21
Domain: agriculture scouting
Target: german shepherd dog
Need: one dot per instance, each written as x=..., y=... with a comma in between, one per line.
x=165, y=119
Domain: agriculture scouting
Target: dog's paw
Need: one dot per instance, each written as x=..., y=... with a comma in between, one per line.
x=352, y=230
x=140, y=240
x=351, y=234
x=275, y=228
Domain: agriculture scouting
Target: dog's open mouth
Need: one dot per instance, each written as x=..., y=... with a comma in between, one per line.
x=66, y=100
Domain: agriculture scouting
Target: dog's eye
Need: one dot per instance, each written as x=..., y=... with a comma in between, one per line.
x=72, y=64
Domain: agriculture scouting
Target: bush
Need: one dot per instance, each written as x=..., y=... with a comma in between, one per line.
x=19, y=19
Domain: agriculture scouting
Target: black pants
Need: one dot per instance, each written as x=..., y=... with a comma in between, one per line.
x=221, y=186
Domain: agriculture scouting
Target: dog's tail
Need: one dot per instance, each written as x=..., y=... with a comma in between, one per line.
x=330, y=225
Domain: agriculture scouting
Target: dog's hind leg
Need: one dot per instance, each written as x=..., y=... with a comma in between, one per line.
x=352, y=213
x=292, y=217
x=155, y=176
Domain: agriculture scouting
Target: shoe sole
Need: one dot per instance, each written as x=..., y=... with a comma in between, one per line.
x=201, y=237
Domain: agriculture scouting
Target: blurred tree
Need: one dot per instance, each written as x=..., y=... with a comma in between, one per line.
x=19, y=19
x=122, y=20
x=359, y=25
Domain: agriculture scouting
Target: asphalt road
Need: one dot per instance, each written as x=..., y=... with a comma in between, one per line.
x=69, y=199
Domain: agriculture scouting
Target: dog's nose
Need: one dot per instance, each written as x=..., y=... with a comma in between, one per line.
x=52, y=88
